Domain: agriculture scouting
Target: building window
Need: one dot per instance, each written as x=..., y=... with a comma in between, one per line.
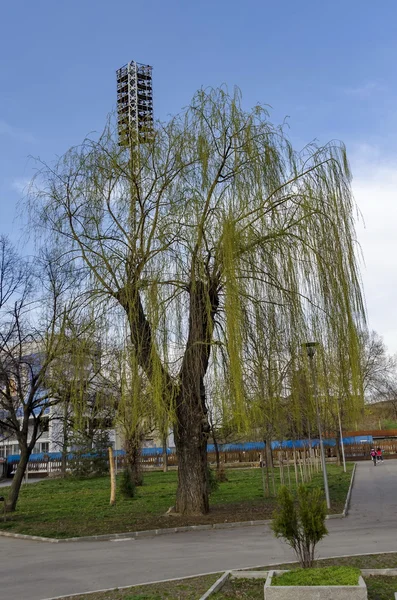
x=45, y=446
x=15, y=449
x=45, y=425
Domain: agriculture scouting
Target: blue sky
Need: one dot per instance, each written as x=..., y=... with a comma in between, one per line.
x=329, y=66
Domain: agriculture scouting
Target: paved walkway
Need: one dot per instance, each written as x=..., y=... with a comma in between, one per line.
x=7, y=482
x=375, y=494
x=36, y=570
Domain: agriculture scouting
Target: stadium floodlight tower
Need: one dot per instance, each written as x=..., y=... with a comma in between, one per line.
x=134, y=104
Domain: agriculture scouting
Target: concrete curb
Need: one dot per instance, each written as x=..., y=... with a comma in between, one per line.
x=234, y=574
x=349, y=493
x=134, y=534
x=378, y=572
x=244, y=574
x=146, y=533
x=345, y=511
x=153, y=532
x=310, y=592
x=219, y=583
x=23, y=536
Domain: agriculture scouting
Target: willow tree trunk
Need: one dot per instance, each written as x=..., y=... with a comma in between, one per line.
x=217, y=455
x=133, y=457
x=269, y=453
x=191, y=435
x=165, y=455
x=64, y=461
x=192, y=427
x=13, y=494
x=191, y=422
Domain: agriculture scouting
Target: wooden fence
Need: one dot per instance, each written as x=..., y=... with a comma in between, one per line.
x=229, y=459
x=362, y=451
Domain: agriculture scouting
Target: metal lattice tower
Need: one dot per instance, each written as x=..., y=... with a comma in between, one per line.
x=134, y=104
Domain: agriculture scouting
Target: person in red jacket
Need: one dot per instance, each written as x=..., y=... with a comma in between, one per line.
x=374, y=456
x=379, y=455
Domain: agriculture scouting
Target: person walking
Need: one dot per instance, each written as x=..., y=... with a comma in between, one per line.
x=374, y=456
x=379, y=455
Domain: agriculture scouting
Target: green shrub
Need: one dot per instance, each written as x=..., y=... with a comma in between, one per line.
x=301, y=524
x=389, y=424
x=324, y=576
x=212, y=481
x=127, y=483
x=221, y=476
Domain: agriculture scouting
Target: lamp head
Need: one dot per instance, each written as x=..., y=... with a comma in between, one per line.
x=310, y=348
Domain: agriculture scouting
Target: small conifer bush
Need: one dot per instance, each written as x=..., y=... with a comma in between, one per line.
x=127, y=484
x=301, y=523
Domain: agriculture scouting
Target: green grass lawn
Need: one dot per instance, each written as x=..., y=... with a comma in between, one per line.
x=323, y=576
x=67, y=508
x=367, y=561
x=185, y=589
x=379, y=588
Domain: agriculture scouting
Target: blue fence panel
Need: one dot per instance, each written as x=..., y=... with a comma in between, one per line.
x=243, y=447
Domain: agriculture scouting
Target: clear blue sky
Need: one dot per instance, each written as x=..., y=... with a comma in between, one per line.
x=330, y=66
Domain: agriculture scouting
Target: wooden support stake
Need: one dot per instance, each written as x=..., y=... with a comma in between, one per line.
x=112, y=478
x=288, y=469
x=300, y=466
x=296, y=468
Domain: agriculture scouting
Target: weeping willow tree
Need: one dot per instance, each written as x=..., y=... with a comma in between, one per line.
x=183, y=231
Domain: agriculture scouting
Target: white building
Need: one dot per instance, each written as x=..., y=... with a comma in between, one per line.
x=50, y=437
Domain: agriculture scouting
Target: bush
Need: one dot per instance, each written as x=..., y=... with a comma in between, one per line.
x=212, y=481
x=323, y=576
x=301, y=524
x=127, y=483
x=221, y=476
x=389, y=424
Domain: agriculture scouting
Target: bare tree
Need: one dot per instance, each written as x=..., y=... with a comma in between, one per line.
x=14, y=274
x=31, y=339
x=379, y=369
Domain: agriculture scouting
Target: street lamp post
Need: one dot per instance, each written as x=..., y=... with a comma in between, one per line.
x=311, y=350
x=115, y=451
x=341, y=439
